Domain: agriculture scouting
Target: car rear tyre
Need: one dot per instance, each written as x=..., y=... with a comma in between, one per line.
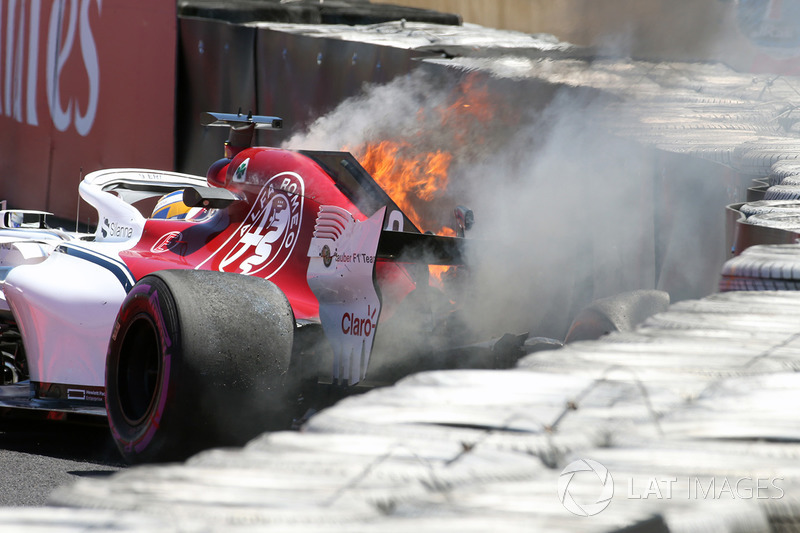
x=197, y=359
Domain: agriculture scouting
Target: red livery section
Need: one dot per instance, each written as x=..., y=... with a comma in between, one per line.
x=266, y=233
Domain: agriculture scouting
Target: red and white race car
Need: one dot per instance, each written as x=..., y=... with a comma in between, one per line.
x=246, y=298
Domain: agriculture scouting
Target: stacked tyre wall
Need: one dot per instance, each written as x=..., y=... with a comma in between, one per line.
x=698, y=400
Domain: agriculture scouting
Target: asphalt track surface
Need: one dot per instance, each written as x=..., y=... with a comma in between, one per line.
x=37, y=456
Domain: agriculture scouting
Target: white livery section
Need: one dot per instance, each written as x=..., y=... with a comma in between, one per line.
x=65, y=307
x=15, y=252
x=25, y=240
x=113, y=193
x=65, y=288
x=341, y=275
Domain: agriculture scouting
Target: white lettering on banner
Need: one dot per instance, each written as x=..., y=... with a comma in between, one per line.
x=67, y=18
x=83, y=123
x=33, y=54
x=57, y=57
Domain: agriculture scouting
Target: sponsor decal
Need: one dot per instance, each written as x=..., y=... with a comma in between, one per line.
x=359, y=326
x=327, y=258
x=115, y=230
x=96, y=394
x=266, y=238
x=354, y=257
x=76, y=394
x=167, y=242
x=241, y=172
x=63, y=391
x=150, y=176
x=394, y=221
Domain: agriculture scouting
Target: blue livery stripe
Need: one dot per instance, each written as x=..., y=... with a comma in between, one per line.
x=118, y=268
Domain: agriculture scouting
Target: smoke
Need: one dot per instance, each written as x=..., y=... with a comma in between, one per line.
x=381, y=112
x=567, y=218
x=563, y=210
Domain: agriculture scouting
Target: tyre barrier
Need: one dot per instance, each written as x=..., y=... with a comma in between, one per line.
x=759, y=160
x=771, y=206
x=785, y=171
x=80, y=520
x=788, y=221
x=761, y=222
x=702, y=393
x=616, y=313
x=763, y=268
x=793, y=180
x=782, y=192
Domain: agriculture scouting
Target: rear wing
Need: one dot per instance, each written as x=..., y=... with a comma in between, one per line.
x=231, y=120
x=420, y=248
x=341, y=274
x=242, y=127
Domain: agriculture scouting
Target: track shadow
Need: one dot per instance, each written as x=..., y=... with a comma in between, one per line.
x=75, y=441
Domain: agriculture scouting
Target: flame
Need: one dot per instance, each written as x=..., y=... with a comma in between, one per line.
x=474, y=105
x=414, y=172
x=408, y=178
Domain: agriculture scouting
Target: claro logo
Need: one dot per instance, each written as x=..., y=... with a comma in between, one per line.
x=68, y=32
x=359, y=326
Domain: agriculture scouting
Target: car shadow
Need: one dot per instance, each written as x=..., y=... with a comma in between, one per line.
x=76, y=441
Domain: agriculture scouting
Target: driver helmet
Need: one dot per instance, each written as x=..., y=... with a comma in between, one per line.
x=171, y=206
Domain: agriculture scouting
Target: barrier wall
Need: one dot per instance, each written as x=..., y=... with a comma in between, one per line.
x=84, y=84
x=225, y=67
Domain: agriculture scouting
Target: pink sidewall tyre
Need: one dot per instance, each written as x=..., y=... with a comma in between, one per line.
x=197, y=359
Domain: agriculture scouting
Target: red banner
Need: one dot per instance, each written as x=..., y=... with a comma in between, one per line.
x=84, y=85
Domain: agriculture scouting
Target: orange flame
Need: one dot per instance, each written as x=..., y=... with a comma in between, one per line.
x=414, y=178
x=408, y=178
x=414, y=172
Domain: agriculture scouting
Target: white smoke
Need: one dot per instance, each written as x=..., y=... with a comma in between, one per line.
x=561, y=202
x=564, y=211
x=381, y=112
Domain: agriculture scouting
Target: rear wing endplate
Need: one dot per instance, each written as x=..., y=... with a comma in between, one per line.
x=341, y=274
